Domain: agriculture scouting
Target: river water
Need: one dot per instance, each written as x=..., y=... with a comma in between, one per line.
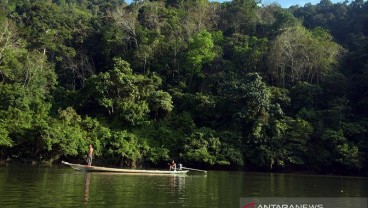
x=37, y=186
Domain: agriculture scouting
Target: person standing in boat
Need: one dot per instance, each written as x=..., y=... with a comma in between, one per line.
x=172, y=165
x=89, y=155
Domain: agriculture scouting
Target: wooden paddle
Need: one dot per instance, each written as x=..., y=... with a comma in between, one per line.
x=194, y=169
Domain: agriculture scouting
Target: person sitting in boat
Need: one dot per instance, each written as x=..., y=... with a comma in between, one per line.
x=172, y=165
x=89, y=155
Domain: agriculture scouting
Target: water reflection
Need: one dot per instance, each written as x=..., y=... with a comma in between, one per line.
x=176, y=183
x=87, y=178
x=22, y=186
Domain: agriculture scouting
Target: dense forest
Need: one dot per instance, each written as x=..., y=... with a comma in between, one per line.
x=234, y=85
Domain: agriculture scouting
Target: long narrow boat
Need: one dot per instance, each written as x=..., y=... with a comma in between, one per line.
x=120, y=170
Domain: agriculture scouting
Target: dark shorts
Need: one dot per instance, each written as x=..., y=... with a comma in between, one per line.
x=89, y=160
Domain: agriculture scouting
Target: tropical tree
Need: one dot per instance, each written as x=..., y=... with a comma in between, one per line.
x=302, y=55
x=204, y=147
x=127, y=96
x=239, y=16
x=200, y=52
x=247, y=52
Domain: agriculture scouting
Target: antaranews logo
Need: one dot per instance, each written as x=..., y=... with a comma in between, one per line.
x=254, y=205
x=343, y=202
x=250, y=205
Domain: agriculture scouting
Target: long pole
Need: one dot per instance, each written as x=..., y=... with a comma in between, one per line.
x=194, y=169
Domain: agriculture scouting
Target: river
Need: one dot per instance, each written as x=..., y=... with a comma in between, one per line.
x=59, y=186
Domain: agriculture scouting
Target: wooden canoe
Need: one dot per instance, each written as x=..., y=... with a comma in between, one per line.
x=120, y=170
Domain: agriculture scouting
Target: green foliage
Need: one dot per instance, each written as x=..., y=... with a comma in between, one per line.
x=248, y=52
x=203, y=150
x=131, y=151
x=200, y=51
x=274, y=139
x=157, y=154
x=283, y=143
x=4, y=137
x=208, y=83
x=273, y=20
x=239, y=16
x=126, y=146
x=69, y=135
x=26, y=80
x=160, y=101
x=254, y=97
x=343, y=152
x=46, y=27
x=126, y=95
x=167, y=135
x=65, y=135
x=302, y=55
x=304, y=95
x=204, y=147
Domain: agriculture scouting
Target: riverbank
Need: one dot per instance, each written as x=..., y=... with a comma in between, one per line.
x=109, y=163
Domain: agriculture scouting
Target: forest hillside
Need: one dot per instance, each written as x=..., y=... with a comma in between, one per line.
x=230, y=85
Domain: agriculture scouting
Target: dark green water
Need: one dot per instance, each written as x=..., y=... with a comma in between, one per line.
x=28, y=186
